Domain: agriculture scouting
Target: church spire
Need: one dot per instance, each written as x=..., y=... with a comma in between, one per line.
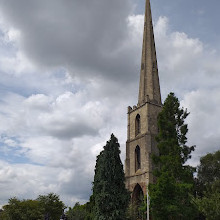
x=149, y=88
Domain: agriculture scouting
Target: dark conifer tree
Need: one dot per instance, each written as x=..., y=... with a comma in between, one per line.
x=170, y=196
x=110, y=195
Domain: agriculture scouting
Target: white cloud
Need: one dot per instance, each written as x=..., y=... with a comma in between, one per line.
x=64, y=134
x=17, y=65
x=203, y=120
x=191, y=69
x=28, y=181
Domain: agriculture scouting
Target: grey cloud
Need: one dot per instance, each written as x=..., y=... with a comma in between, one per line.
x=204, y=132
x=84, y=35
x=79, y=185
x=70, y=130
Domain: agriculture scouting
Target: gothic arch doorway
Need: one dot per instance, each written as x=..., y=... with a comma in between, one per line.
x=137, y=200
x=137, y=195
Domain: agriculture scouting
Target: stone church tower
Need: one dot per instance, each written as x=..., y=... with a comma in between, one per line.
x=142, y=119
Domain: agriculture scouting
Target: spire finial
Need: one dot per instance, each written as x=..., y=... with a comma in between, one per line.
x=149, y=88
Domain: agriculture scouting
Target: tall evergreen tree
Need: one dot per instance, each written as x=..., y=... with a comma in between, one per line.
x=170, y=196
x=110, y=195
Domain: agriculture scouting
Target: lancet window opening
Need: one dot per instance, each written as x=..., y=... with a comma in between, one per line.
x=137, y=125
x=137, y=158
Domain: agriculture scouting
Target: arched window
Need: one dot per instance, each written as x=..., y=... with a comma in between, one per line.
x=137, y=125
x=137, y=158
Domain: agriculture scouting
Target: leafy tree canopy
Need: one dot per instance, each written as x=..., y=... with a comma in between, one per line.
x=209, y=168
x=33, y=209
x=81, y=212
x=22, y=210
x=78, y=212
x=208, y=186
x=52, y=205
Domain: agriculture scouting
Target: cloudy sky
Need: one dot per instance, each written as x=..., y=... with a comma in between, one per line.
x=70, y=68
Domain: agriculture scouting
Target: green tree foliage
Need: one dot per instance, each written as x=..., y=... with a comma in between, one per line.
x=171, y=199
x=170, y=196
x=132, y=212
x=135, y=211
x=33, y=209
x=52, y=205
x=208, y=192
x=22, y=210
x=78, y=212
x=209, y=204
x=89, y=206
x=110, y=195
x=209, y=169
x=81, y=212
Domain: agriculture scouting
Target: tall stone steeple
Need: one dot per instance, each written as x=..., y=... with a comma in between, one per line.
x=142, y=119
x=149, y=88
